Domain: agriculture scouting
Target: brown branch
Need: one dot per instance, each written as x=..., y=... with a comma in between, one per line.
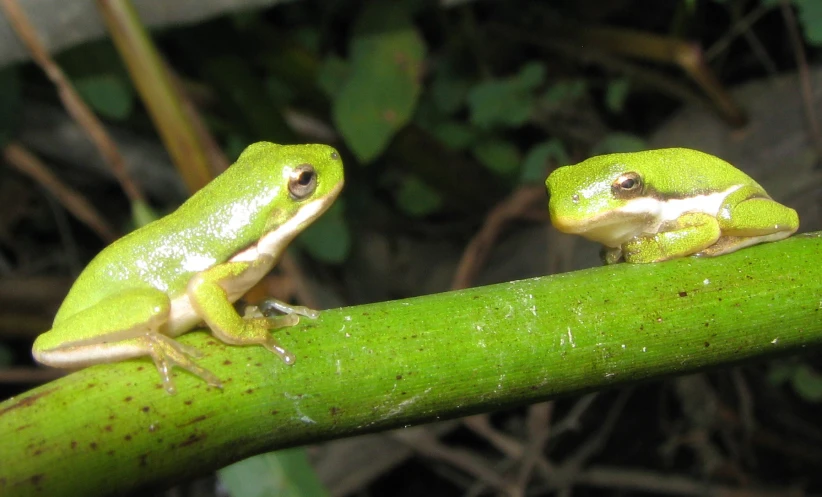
x=25, y=162
x=30, y=376
x=804, y=76
x=659, y=484
x=157, y=91
x=539, y=429
x=427, y=445
x=518, y=205
x=72, y=101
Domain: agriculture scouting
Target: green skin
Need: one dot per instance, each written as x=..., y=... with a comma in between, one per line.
x=662, y=204
x=188, y=267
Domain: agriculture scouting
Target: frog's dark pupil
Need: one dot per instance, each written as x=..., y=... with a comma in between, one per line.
x=305, y=178
x=628, y=184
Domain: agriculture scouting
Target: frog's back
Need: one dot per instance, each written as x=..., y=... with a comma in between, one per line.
x=161, y=255
x=210, y=227
x=683, y=170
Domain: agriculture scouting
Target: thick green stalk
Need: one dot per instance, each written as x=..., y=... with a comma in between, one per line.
x=373, y=367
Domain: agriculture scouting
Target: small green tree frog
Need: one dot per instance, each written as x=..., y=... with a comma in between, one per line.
x=190, y=266
x=662, y=204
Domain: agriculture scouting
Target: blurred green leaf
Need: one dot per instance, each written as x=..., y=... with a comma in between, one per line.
x=332, y=75
x=6, y=356
x=328, y=239
x=309, y=38
x=278, y=90
x=417, y=199
x=380, y=95
x=619, y=142
x=285, y=473
x=100, y=77
x=809, y=14
x=781, y=371
x=449, y=91
x=539, y=157
x=107, y=94
x=531, y=75
x=235, y=143
x=807, y=383
x=454, y=135
x=616, y=94
x=564, y=92
x=10, y=103
x=506, y=102
x=500, y=156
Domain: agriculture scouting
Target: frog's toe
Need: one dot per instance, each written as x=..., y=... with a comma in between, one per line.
x=282, y=321
x=168, y=353
x=283, y=354
x=269, y=306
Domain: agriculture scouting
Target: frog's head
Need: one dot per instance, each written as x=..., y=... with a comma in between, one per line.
x=605, y=198
x=282, y=189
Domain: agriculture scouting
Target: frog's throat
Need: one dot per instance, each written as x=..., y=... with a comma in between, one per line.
x=275, y=241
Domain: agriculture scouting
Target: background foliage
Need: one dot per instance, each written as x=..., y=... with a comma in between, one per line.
x=446, y=115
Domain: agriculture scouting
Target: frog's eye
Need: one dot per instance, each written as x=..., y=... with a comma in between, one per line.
x=627, y=185
x=303, y=181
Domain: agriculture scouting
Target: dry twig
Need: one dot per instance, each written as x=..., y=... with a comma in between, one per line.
x=24, y=161
x=520, y=204
x=71, y=99
x=804, y=76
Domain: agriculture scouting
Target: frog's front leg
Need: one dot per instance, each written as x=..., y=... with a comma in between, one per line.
x=135, y=320
x=212, y=293
x=688, y=234
x=747, y=218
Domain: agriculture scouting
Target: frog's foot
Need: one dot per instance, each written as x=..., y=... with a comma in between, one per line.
x=168, y=353
x=268, y=306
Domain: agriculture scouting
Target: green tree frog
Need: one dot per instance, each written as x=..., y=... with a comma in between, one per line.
x=190, y=266
x=662, y=204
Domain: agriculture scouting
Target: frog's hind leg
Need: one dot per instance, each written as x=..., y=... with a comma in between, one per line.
x=752, y=221
x=136, y=318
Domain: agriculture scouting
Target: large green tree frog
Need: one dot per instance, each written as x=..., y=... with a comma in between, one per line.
x=662, y=204
x=188, y=267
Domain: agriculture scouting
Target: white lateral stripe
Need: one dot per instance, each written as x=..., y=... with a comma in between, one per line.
x=89, y=355
x=671, y=209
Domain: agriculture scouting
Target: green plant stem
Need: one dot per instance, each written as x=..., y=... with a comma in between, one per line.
x=112, y=428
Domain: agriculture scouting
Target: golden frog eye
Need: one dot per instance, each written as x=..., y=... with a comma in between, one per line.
x=303, y=181
x=627, y=185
